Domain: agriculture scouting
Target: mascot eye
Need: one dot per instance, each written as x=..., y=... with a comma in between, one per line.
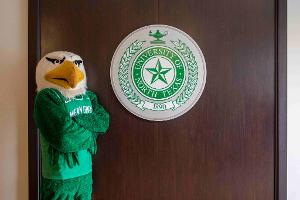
x=78, y=62
x=62, y=60
x=55, y=61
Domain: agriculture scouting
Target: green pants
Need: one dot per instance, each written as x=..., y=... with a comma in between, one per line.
x=79, y=188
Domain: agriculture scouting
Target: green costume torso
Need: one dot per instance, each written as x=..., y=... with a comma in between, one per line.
x=78, y=105
x=61, y=170
x=69, y=128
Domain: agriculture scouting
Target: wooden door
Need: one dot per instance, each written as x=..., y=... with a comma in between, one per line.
x=230, y=146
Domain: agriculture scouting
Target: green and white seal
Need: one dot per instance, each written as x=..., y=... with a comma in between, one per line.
x=158, y=72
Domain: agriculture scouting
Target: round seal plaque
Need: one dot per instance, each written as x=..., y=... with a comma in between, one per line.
x=158, y=72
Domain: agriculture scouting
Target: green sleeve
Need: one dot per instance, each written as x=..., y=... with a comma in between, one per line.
x=57, y=126
x=98, y=120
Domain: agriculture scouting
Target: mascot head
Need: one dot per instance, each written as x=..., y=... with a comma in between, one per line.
x=63, y=71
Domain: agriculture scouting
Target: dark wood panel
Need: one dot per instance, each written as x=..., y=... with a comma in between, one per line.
x=224, y=147
x=281, y=100
x=33, y=58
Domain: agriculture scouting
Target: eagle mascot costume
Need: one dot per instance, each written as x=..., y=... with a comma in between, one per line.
x=69, y=118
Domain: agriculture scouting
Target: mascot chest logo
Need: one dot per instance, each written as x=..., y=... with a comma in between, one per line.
x=78, y=105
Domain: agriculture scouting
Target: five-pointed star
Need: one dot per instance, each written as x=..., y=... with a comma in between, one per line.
x=158, y=72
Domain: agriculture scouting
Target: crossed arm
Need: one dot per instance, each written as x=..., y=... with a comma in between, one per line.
x=64, y=133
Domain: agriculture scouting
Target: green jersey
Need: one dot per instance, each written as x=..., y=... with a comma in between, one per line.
x=69, y=128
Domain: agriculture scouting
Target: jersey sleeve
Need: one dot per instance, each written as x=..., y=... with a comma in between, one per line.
x=97, y=121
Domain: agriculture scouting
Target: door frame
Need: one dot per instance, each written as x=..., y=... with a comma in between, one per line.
x=280, y=151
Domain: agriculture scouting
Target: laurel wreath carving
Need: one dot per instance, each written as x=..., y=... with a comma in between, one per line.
x=186, y=53
x=123, y=71
x=189, y=57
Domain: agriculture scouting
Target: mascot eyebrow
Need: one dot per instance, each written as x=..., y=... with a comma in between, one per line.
x=54, y=60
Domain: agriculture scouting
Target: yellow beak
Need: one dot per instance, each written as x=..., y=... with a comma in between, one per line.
x=67, y=75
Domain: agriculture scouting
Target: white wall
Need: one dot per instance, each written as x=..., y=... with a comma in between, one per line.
x=293, y=99
x=13, y=100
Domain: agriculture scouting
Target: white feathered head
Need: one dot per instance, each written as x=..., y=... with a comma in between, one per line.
x=63, y=71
